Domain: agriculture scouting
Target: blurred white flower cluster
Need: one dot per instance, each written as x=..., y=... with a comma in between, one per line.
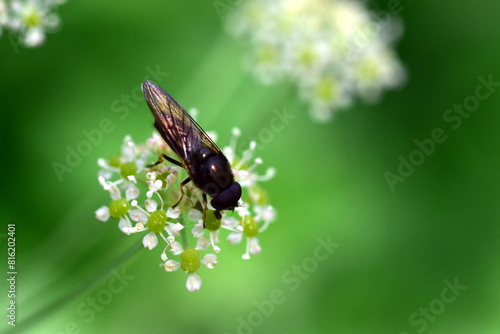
x=28, y=20
x=142, y=200
x=333, y=50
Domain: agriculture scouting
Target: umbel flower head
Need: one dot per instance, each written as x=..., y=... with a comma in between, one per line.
x=142, y=200
x=29, y=19
x=332, y=49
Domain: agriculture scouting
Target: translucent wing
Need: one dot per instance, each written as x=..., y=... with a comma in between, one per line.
x=179, y=130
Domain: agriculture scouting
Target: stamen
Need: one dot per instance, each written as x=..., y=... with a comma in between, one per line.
x=246, y=256
x=246, y=155
x=257, y=161
x=161, y=200
x=212, y=242
x=270, y=172
x=134, y=204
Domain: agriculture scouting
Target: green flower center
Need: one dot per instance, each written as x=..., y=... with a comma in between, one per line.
x=119, y=207
x=212, y=223
x=267, y=54
x=369, y=71
x=250, y=227
x=32, y=19
x=128, y=168
x=115, y=161
x=190, y=260
x=157, y=221
x=259, y=195
x=326, y=89
x=307, y=56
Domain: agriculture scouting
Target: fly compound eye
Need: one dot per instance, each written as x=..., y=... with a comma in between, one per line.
x=228, y=198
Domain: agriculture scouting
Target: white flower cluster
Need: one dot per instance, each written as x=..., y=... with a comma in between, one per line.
x=29, y=20
x=126, y=177
x=332, y=49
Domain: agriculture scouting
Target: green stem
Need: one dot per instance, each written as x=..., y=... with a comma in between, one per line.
x=88, y=285
x=185, y=241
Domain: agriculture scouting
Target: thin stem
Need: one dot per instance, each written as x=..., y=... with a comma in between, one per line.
x=88, y=285
x=185, y=241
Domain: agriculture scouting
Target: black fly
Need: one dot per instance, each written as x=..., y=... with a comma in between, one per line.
x=207, y=166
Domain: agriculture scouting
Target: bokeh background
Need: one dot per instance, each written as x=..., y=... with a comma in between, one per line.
x=396, y=252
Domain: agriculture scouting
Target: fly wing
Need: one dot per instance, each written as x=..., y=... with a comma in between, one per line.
x=179, y=130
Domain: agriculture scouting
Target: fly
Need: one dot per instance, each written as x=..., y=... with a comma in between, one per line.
x=205, y=163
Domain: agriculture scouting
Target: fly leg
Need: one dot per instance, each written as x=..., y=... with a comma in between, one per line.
x=183, y=183
x=204, y=209
x=163, y=157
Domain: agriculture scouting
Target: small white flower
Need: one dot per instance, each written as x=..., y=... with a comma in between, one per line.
x=254, y=247
x=124, y=225
x=198, y=230
x=242, y=211
x=128, y=149
x=164, y=256
x=4, y=18
x=139, y=227
x=210, y=260
x=154, y=186
x=131, y=193
x=150, y=240
x=193, y=283
x=203, y=243
x=214, y=240
x=138, y=216
x=174, y=229
x=153, y=213
x=194, y=215
x=230, y=223
x=102, y=213
x=156, y=144
x=114, y=192
x=150, y=205
x=176, y=248
x=266, y=214
x=30, y=19
x=171, y=265
x=235, y=237
x=34, y=37
x=174, y=213
x=325, y=47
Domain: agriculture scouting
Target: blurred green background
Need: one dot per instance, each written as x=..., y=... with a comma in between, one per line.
x=397, y=251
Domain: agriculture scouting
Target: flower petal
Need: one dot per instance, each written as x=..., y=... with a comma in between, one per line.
x=210, y=260
x=171, y=265
x=174, y=213
x=150, y=205
x=203, y=243
x=176, y=248
x=235, y=237
x=124, y=225
x=150, y=240
x=194, y=215
x=198, y=230
x=131, y=193
x=174, y=229
x=254, y=246
x=193, y=283
x=102, y=213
